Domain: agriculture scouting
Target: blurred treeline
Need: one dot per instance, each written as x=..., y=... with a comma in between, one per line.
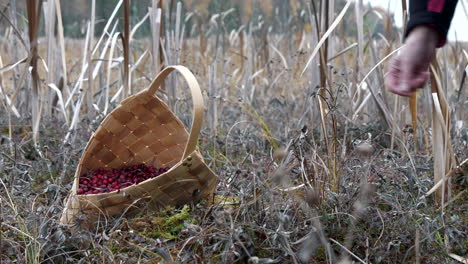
x=277, y=16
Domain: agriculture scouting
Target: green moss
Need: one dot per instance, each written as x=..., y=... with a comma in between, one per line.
x=169, y=227
x=183, y=215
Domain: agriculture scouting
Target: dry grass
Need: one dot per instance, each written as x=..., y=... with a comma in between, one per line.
x=316, y=166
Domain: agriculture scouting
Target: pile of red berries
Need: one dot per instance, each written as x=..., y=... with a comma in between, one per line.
x=108, y=180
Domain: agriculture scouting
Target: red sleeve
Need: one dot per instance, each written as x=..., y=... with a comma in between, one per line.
x=436, y=13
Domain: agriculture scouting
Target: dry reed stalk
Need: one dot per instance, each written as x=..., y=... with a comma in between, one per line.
x=241, y=50
x=33, y=10
x=385, y=38
x=126, y=49
x=75, y=119
x=299, y=39
x=439, y=184
x=212, y=72
x=249, y=64
x=212, y=107
x=21, y=80
x=14, y=28
x=343, y=51
x=323, y=74
x=331, y=17
x=378, y=95
x=138, y=25
x=388, y=47
x=9, y=106
x=463, y=260
x=106, y=27
x=173, y=44
x=113, y=43
x=98, y=69
x=59, y=95
x=61, y=38
x=177, y=41
x=396, y=104
x=223, y=91
x=325, y=85
x=324, y=80
x=87, y=59
x=438, y=150
x=166, y=47
x=364, y=79
x=78, y=87
x=14, y=51
x=395, y=127
x=358, y=66
x=442, y=148
x=13, y=65
x=265, y=55
x=178, y=37
x=5, y=8
x=417, y=247
x=49, y=15
x=413, y=102
x=90, y=90
x=156, y=27
x=6, y=104
x=313, y=73
x=161, y=55
x=203, y=42
x=463, y=78
x=326, y=34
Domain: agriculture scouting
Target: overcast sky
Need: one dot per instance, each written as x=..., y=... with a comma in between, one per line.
x=458, y=29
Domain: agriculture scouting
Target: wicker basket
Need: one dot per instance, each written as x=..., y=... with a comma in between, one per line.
x=143, y=130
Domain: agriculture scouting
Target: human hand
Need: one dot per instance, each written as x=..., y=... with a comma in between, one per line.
x=409, y=70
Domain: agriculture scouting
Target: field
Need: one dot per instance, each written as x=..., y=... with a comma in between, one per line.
x=317, y=162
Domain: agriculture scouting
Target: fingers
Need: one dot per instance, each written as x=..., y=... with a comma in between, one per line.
x=394, y=79
x=404, y=78
x=402, y=89
x=414, y=83
x=413, y=77
x=418, y=80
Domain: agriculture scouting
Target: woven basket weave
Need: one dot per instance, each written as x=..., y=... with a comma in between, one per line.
x=142, y=129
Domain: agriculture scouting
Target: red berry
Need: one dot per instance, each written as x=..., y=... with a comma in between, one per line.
x=104, y=180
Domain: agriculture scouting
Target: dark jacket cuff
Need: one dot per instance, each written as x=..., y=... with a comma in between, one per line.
x=438, y=21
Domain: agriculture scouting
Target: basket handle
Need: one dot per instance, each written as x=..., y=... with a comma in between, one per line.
x=197, y=102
